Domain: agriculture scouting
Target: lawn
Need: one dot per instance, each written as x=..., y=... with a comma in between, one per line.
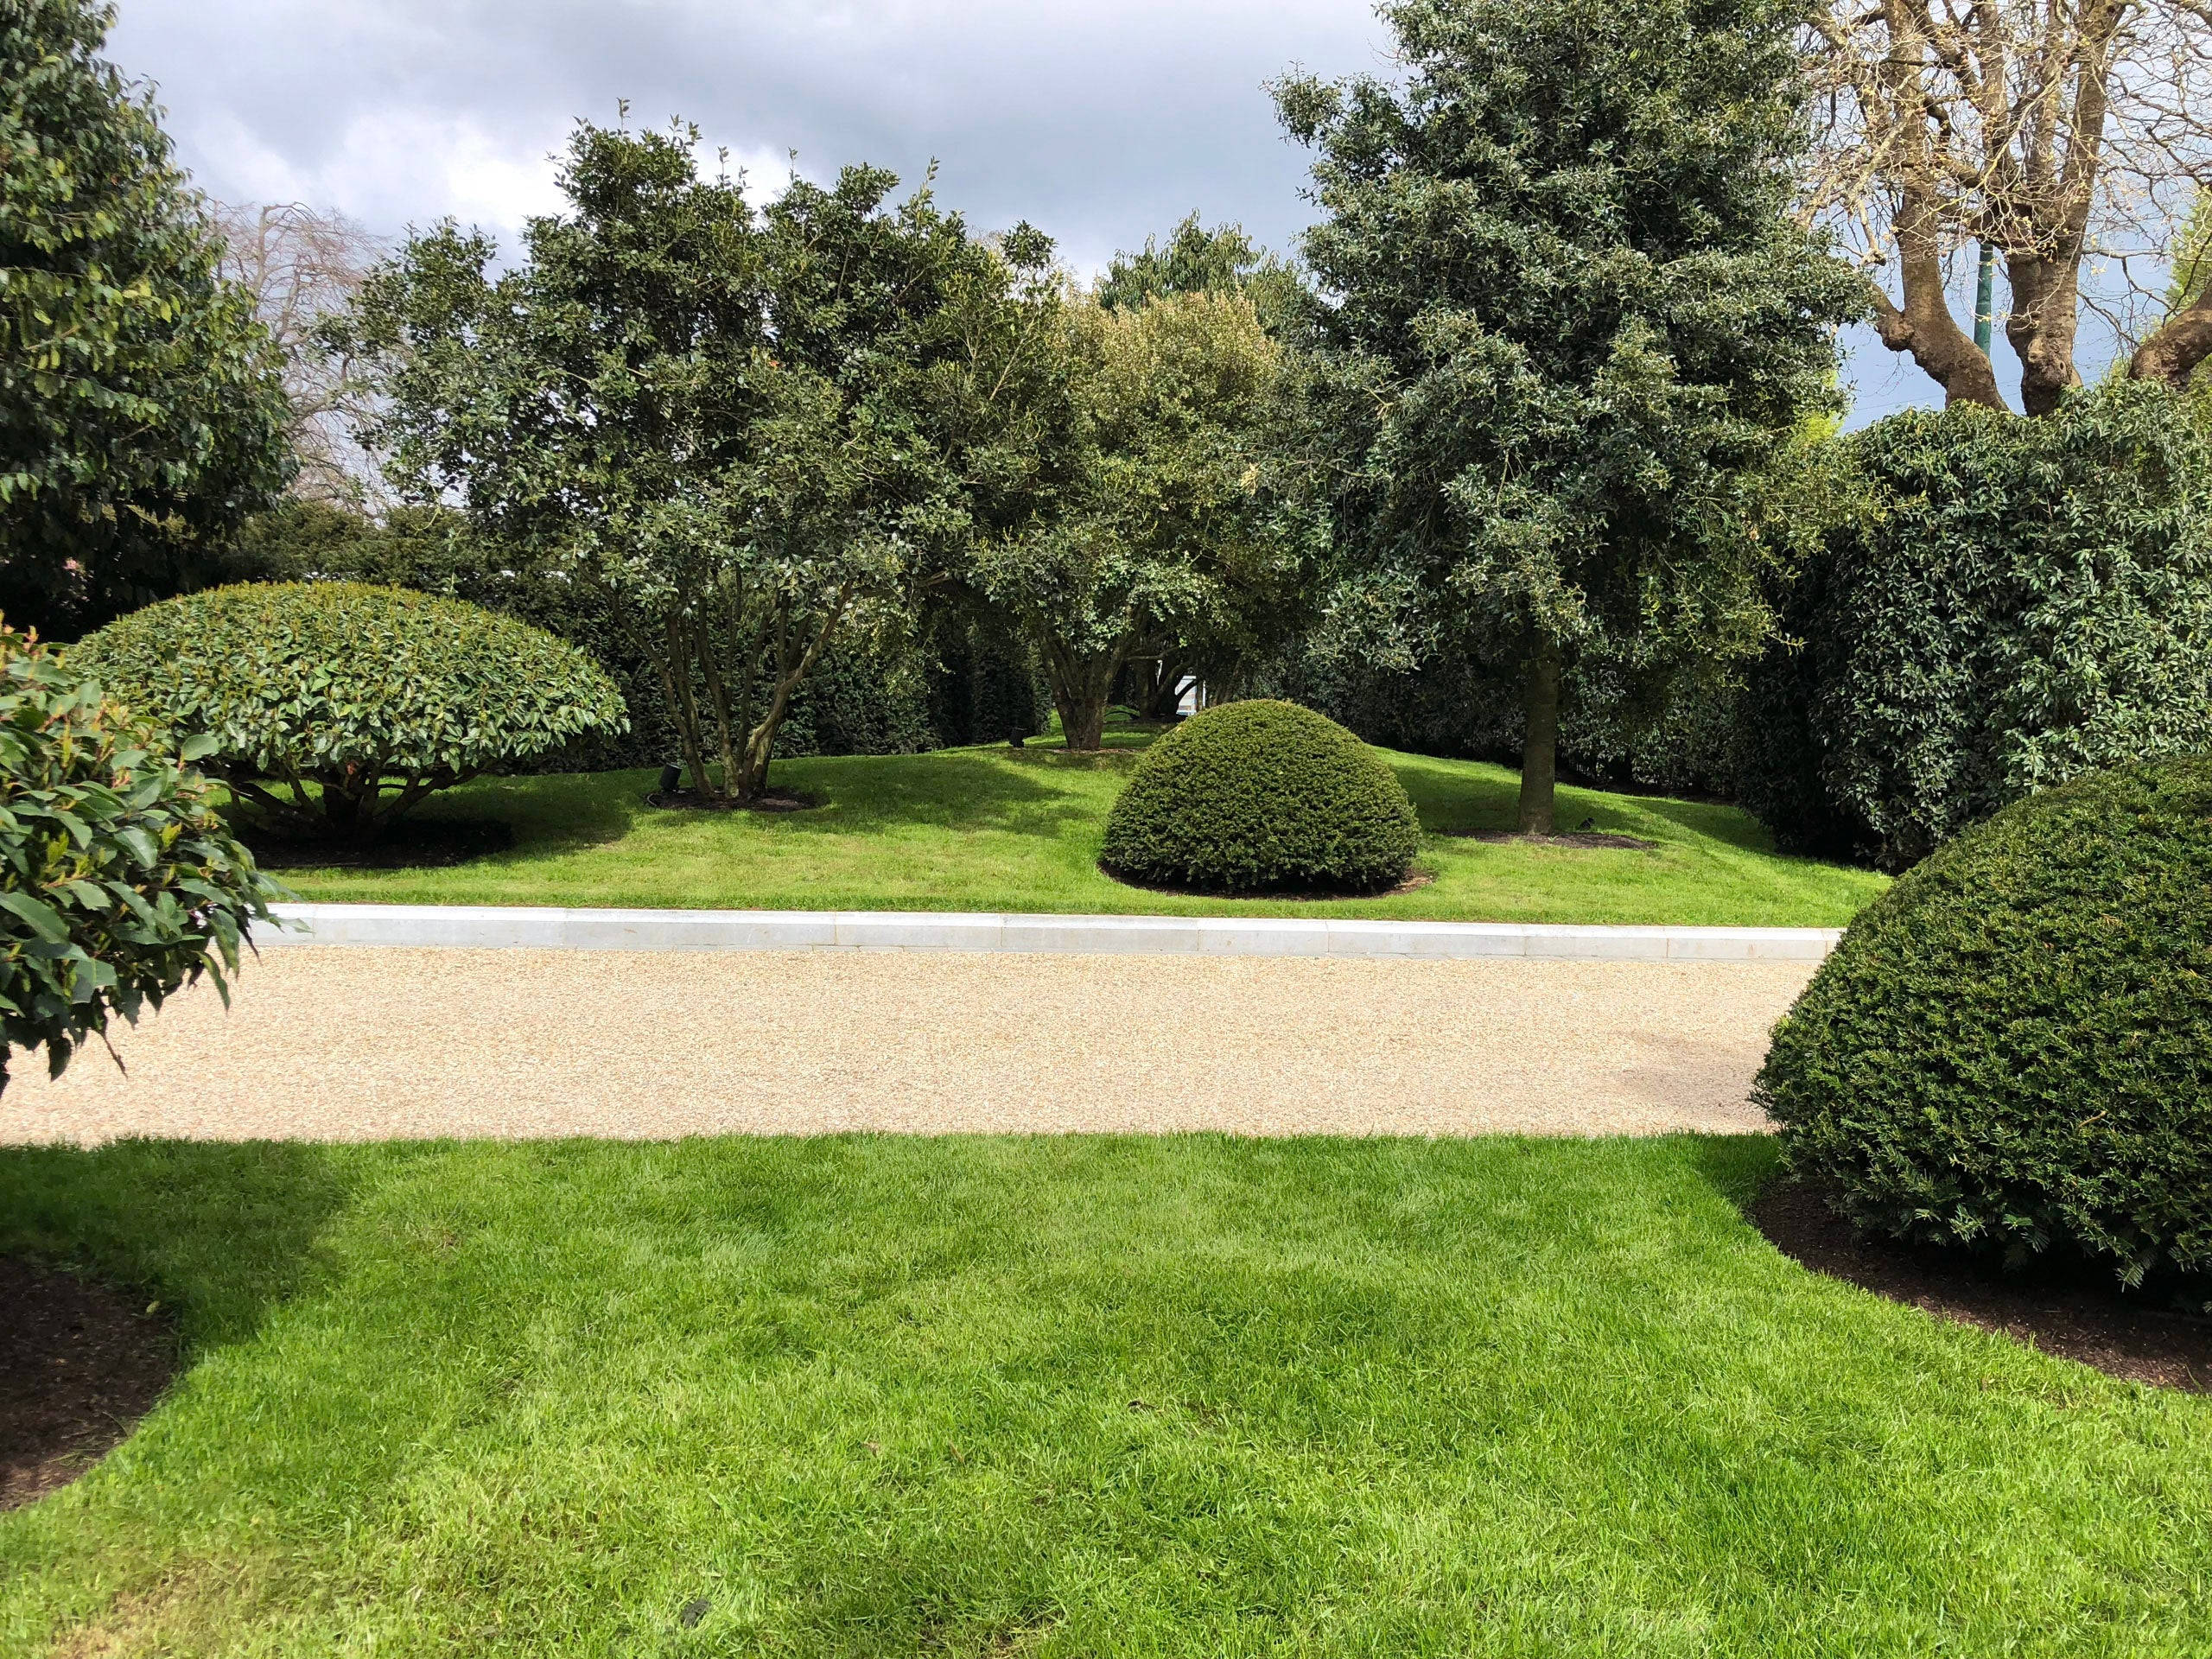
x=1066, y=1396
x=999, y=829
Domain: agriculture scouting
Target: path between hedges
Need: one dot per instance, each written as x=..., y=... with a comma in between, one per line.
x=359, y=1044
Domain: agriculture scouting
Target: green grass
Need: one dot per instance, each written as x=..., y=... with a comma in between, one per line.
x=1067, y=1396
x=1005, y=830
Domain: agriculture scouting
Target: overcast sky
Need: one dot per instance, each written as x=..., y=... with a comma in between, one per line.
x=1101, y=122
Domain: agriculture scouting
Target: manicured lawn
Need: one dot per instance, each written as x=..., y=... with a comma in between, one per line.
x=1004, y=830
x=1064, y=1396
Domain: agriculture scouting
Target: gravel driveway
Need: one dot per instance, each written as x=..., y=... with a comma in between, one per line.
x=332, y=1044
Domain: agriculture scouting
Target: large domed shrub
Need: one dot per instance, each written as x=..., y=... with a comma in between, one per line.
x=2012, y=1050
x=377, y=696
x=1250, y=796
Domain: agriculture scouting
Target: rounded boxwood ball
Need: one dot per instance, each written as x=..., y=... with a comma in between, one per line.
x=2012, y=1050
x=1259, y=796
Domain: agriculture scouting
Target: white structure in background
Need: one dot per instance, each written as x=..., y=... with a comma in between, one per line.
x=1190, y=696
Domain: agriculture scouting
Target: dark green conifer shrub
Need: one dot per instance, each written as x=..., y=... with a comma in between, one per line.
x=2012, y=1050
x=1259, y=796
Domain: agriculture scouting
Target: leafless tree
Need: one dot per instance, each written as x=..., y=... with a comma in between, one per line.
x=2051, y=131
x=302, y=264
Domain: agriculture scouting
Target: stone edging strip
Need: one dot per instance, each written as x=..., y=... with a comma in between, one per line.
x=493, y=927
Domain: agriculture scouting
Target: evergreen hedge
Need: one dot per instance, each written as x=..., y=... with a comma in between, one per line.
x=2009, y=603
x=2012, y=1050
x=1259, y=796
x=118, y=880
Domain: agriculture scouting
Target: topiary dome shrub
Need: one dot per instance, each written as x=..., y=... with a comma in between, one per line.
x=377, y=696
x=2012, y=1050
x=118, y=880
x=1259, y=796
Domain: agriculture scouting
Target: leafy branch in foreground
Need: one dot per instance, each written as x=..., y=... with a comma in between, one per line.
x=118, y=880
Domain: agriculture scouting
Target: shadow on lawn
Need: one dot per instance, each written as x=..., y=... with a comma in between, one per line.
x=221, y=1231
x=1013, y=790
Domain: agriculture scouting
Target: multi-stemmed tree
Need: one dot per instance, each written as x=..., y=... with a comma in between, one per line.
x=756, y=424
x=1565, y=321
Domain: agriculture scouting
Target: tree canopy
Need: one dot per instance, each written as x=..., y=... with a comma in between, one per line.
x=142, y=413
x=1567, y=320
x=1160, y=544
x=755, y=423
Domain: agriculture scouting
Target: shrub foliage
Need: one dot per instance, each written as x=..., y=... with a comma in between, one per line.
x=2012, y=1048
x=1261, y=795
x=118, y=882
x=374, y=695
x=2014, y=602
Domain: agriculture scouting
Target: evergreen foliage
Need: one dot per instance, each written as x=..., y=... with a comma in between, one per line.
x=118, y=880
x=1258, y=797
x=2008, y=603
x=142, y=411
x=1568, y=327
x=2011, y=1051
x=353, y=689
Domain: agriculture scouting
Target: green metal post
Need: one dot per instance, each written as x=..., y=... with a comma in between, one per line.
x=1984, y=298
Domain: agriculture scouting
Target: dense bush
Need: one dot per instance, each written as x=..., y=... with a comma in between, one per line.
x=2014, y=602
x=962, y=682
x=1616, y=729
x=1254, y=797
x=118, y=882
x=2011, y=1051
x=376, y=696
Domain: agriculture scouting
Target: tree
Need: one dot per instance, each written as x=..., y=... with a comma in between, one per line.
x=2047, y=135
x=1161, y=541
x=302, y=266
x=1195, y=260
x=756, y=425
x=1565, y=323
x=141, y=413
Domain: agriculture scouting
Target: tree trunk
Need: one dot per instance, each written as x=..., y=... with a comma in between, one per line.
x=1082, y=688
x=1540, y=749
x=2046, y=308
x=1083, y=717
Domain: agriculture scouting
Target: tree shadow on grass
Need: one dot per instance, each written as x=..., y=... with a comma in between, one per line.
x=222, y=1232
x=1012, y=791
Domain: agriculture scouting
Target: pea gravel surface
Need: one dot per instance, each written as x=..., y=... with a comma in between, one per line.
x=325, y=1044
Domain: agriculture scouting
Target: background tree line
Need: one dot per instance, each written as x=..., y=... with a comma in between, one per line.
x=1530, y=454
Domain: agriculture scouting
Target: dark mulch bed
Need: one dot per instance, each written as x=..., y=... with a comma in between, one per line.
x=2078, y=1316
x=429, y=844
x=688, y=800
x=1567, y=838
x=80, y=1362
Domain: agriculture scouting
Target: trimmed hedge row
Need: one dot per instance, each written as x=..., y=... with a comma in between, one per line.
x=1258, y=797
x=2008, y=603
x=2012, y=1050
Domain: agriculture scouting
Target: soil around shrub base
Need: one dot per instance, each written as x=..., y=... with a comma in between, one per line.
x=80, y=1362
x=1412, y=883
x=429, y=843
x=2063, y=1316
x=691, y=801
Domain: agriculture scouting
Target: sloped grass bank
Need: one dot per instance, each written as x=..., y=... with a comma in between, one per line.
x=1019, y=829
x=1060, y=1397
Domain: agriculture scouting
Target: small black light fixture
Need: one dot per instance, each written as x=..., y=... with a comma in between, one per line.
x=670, y=775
